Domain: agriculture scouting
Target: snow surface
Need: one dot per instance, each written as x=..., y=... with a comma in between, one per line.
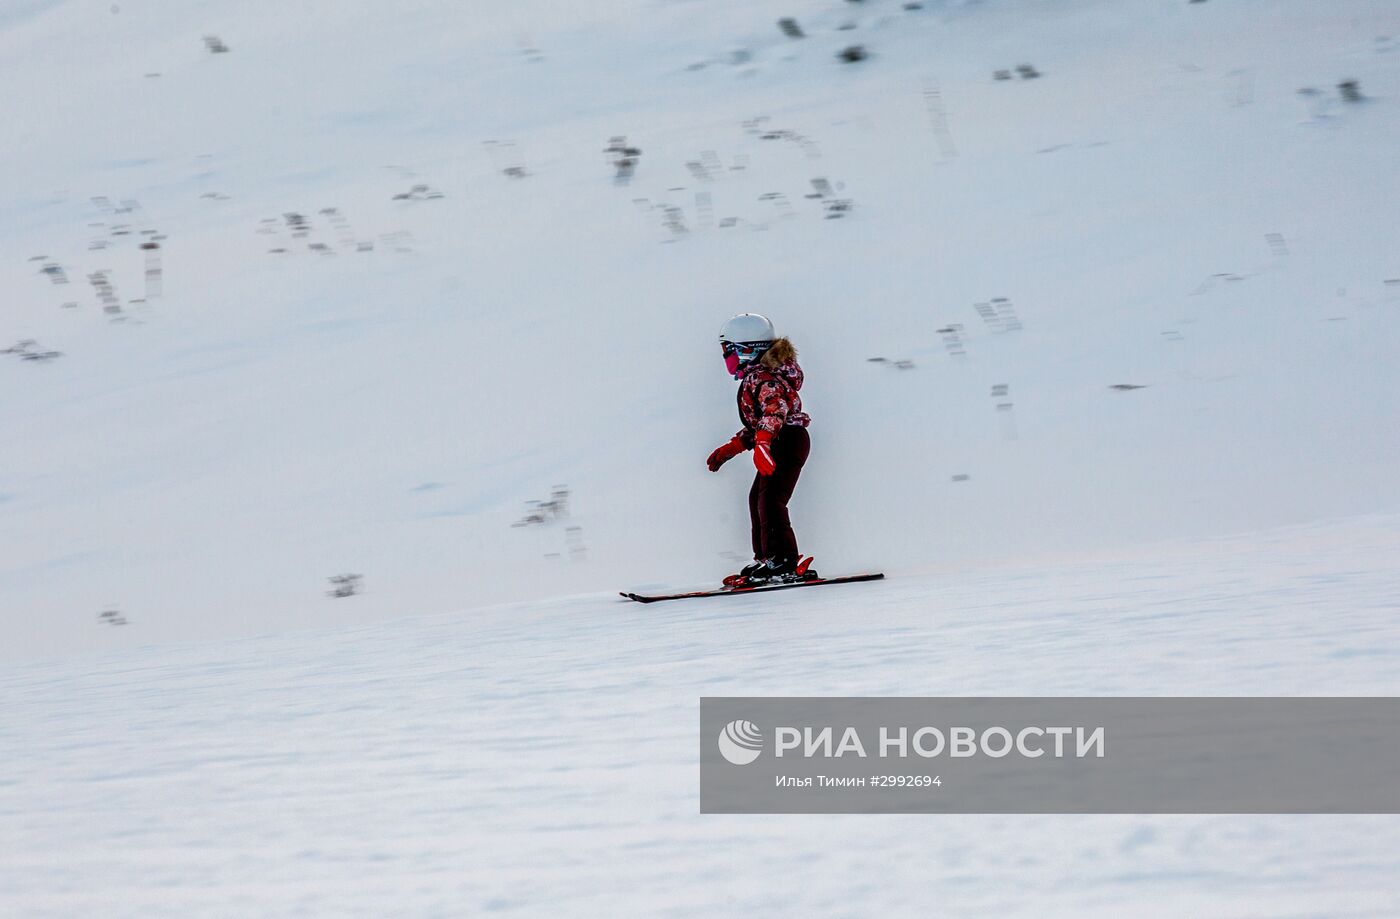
x=540, y=758
x=1162, y=207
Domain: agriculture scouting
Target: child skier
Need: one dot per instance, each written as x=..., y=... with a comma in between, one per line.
x=775, y=429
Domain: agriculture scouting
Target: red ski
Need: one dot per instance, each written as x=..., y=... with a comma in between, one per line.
x=755, y=589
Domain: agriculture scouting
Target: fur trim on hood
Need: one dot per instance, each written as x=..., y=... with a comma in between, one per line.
x=778, y=354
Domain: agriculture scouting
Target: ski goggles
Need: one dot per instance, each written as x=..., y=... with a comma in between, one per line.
x=743, y=348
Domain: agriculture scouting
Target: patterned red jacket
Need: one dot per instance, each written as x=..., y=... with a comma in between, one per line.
x=768, y=399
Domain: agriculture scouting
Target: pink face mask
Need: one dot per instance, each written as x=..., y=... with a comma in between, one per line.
x=731, y=363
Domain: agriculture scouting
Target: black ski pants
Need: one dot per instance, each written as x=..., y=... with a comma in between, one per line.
x=769, y=496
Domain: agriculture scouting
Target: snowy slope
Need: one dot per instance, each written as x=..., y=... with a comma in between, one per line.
x=276, y=418
x=540, y=759
x=1162, y=208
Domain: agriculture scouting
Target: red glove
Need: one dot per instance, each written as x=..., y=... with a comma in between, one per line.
x=725, y=453
x=763, y=453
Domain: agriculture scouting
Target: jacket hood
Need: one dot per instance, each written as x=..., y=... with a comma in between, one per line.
x=781, y=360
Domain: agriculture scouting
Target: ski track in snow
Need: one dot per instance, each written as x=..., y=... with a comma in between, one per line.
x=539, y=759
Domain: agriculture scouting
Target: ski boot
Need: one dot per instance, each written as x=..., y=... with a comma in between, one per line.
x=777, y=571
x=746, y=572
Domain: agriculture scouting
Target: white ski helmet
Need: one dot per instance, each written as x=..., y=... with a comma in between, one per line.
x=746, y=328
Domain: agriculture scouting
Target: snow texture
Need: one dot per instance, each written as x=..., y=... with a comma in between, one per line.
x=540, y=759
x=1100, y=357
